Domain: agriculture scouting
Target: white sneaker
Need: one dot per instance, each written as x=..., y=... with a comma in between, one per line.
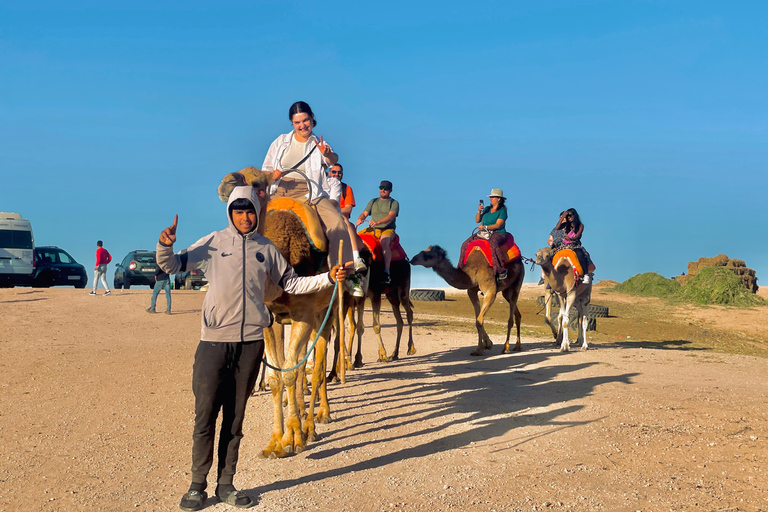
x=354, y=287
x=586, y=279
x=360, y=265
x=107, y=292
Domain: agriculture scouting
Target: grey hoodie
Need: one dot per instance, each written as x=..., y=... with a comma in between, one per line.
x=237, y=267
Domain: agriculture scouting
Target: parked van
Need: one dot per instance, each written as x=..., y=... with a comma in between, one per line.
x=17, y=245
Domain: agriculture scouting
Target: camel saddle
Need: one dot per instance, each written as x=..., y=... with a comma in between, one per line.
x=374, y=245
x=509, y=248
x=308, y=217
x=568, y=255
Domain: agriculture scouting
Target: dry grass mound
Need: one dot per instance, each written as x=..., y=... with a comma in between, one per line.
x=710, y=285
x=649, y=284
x=718, y=285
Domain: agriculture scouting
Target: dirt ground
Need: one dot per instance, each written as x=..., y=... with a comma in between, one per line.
x=668, y=410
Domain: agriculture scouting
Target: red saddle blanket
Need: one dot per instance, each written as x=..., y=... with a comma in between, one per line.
x=374, y=245
x=509, y=248
x=568, y=255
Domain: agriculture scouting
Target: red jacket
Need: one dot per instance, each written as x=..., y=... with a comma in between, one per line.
x=102, y=257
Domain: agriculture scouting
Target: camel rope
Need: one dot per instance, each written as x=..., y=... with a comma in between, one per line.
x=311, y=348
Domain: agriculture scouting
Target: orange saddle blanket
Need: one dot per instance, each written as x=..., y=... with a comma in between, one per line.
x=374, y=245
x=568, y=255
x=509, y=248
x=308, y=217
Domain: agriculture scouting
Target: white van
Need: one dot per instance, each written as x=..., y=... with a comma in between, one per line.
x=17, y=246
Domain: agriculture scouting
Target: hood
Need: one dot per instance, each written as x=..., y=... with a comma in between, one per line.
x=245, y=192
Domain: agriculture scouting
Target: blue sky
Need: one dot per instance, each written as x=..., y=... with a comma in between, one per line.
x=648, y=117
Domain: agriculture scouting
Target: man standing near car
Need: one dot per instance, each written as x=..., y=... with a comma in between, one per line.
x=100, y=270
x=162, y=282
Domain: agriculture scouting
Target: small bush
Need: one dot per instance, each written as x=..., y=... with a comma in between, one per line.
x=649, y=284
x=718, y=285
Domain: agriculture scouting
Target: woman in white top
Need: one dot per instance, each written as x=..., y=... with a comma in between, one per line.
x=302, y=150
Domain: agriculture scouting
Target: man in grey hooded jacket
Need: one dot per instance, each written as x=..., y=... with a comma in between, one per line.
x=237, y=262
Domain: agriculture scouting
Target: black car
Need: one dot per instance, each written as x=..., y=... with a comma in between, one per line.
x=189, y=280
x=55, y=267
x=137, y=268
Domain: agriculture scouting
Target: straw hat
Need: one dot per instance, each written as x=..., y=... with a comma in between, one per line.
x=497, y=192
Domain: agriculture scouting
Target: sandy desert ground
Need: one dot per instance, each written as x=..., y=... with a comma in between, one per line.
x=96, y=414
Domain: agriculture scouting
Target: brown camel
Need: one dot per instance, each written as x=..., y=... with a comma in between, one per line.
x=397, y=292
x=303, y=312
x=569, y=294
x=478, y=276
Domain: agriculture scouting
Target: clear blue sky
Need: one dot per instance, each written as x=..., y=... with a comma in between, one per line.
x=648, y=117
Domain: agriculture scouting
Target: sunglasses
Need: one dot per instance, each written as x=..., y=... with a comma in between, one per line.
x=335, y=172
x=384, y=188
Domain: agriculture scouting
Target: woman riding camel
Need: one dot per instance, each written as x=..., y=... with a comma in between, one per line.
x=567, y=235
x=301, y=150
x=492, y=220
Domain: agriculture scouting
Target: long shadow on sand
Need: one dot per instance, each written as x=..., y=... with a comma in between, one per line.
x=494, y=394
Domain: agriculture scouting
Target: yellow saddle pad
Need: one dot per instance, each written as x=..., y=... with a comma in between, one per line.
x=308, y=217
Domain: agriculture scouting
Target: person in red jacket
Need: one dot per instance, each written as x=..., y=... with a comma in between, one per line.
x=100, y=270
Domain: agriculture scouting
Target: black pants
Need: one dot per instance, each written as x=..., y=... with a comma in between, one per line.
x=223, y=377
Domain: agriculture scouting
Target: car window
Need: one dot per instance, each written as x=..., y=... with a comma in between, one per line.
x=46, y=256
x=64, y=257
x=13, y=239
x=145, y=257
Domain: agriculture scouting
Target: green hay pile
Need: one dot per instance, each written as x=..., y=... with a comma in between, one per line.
x=718, y=285
x=649, y=284
x=712, y=285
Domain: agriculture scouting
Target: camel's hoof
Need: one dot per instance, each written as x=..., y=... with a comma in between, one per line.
x=583, y=349
x=412, y=351
x=358, y=364
x=334, y=379
x=323, y=419
x=383, y=359
x=393, y=357
x=299, y=449
x=518, y=348
x=475, y=353
x=506, y=350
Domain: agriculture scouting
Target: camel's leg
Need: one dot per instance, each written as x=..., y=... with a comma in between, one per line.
x=376, y=307
x=549, y=296
x=319, y=383
x=350, y=315
x=408, y=307
x=274, y=448
x=511, y=295
x=394, y=300
x=584, y=322
x=360, y=328
x=565, y=311
x=337, y=361
x=488, y=300
x=293, y=438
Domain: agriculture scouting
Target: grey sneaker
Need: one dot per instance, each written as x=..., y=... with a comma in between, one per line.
x=151, y=310
x=360, y=265
x=107, y=292
x=92, y=293
x=354, y=287
x=167, y=311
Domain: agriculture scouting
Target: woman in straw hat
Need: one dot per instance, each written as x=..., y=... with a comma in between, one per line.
x=492, y=220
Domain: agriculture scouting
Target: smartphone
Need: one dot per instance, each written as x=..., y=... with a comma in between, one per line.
x=482, y=204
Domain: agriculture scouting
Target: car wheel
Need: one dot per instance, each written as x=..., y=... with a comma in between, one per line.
x=151, y=286
x=126, y=283
x=188, y=284
x=81, y=285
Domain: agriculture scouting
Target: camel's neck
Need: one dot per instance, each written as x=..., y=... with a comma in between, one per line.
x=452, y=275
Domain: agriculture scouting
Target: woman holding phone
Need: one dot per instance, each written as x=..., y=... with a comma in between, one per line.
x=492, y=221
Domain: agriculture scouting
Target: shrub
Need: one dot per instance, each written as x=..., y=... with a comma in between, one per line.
x=718, y=285
x=649, y=284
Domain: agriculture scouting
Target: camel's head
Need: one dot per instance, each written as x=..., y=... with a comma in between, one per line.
x=544, y=256
x=430, y=256
x=252, y=176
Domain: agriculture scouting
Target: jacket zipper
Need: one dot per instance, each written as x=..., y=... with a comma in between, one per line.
x=242, y=322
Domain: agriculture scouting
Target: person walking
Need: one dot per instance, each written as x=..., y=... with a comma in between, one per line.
x=162, y=282
x=100, y=270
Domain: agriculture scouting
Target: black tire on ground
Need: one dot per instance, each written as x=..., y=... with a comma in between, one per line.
x=81, y=285
x=591, y=324
x=126, y=283
x=596, y=311
x=151, y=286
x=431, y=295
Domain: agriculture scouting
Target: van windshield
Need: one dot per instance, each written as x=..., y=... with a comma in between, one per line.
x=12, y=239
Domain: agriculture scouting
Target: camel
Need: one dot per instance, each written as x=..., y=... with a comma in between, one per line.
x=569, y=293
x=397, y=292
x=303, y=312
x=478, y=276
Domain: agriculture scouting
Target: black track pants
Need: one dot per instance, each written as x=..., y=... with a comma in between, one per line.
x=223, y=377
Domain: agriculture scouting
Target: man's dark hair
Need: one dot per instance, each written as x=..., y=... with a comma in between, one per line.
x=99, y=244
x=339, y=166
